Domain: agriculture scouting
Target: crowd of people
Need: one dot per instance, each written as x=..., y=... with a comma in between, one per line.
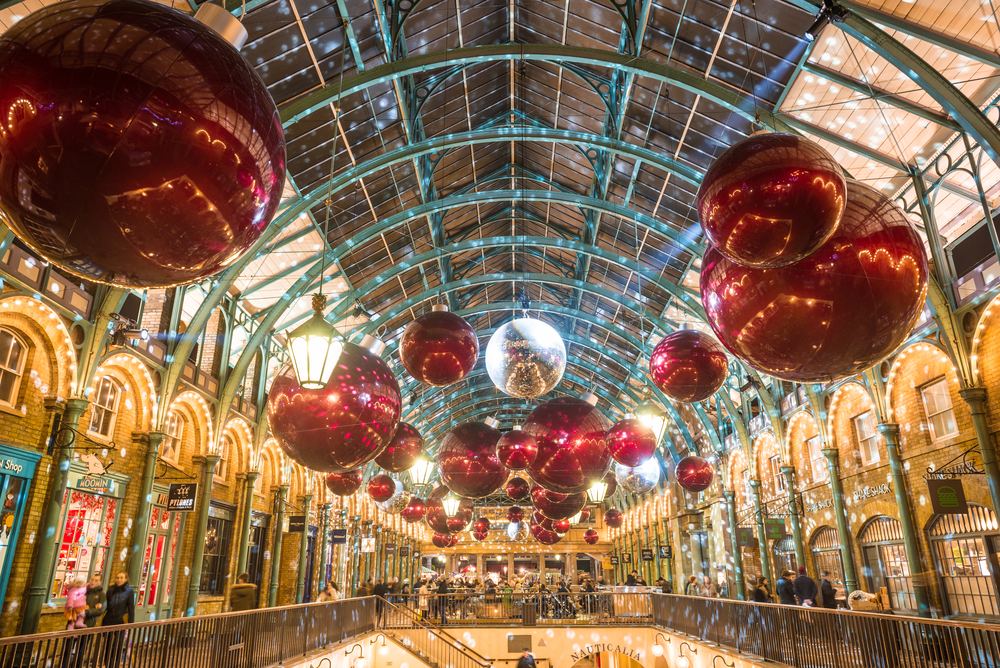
x=800, y=589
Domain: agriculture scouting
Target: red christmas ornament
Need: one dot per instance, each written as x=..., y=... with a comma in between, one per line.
x=590, y=536
x=834, y=314
x=381, y=487
x=457, y=524
x=403, y=450
x=439, y=348
x=435, y=516
x=517, y=450
x=414, y=510
x=342, y=426
x=557, y=506
x=481, y=524
x=560, y=526
x=480, y=535
x=438, y=493
x=126, y=168
x=631, y=442
x=584, y=515
x=572, y=452
x=453, y=541
x=541, y=520
x=694, y=474
x=441, y=540
x=543, y=535
x=515, y=514
x=517, y=488
x=468, y=461
x=771, y=200
x=688, y=366
x=613, y=518
x=344, y=484
x=612, y=485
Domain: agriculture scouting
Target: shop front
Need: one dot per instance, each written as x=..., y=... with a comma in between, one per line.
x=784, y=555
x=155, y=592
x=256, y=552
x=885, y=564
x=827, y=558
x=17, y=468
x=966, y=549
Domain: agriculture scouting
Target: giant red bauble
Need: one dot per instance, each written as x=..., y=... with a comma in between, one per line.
x=439, y=348
x=517, y=450
x=438, y=493
x=515, y=514
x=517, y=488
x=541, y=520
x=344, y=484
x=694, y=474
x=560, y=526
x=480, y=535
x=414, y=510
x=771, y=199
x=557, y=506
x=381, y=487
x=572, y=451
x=481, y=524
x=467, y=458
x=343, y=425
x=138, y=148
x=543, y=535
x=453, y=540
x=613, y=518
x=403, y=450
x=832, y=315
x=457, y=523
x=435, y=516
x=631, y=442
x=590, y=536
x=688, y=366
x=441, y=540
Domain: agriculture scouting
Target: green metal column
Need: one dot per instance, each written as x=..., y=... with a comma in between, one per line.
x=670, y=560
x=616, y=544
x=647, y=566
x=741, y=587
x=891, y=434
x=840, y=512
x=793, y=514
x=300, y=586
x=324, y=539
x=279, y=520
x=366, y=527
x=355, y=556
x=199, y=535
x=38, y=591
x=141, y=526
x=975, y=397
x=765, y=556
x=241, y=561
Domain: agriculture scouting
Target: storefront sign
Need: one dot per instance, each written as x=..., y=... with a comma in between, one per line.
x=181, y=496
x=869, y=492
x=948, y=497
x=627, y=558
x=18, y=463
x=666, y=552
x=745, y=537
x=296, y=524
x=606, y=563
x=96, y=485
x=597, y=648
x=390, y=546
x=819, y=505
x=404, y=551
x=368, y=544
x=338, y=536
x=613, y=560
x=774, y=528
x=647, y=555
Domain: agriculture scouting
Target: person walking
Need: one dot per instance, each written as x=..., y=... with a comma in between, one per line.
x=805, y=589
x=380, y=591
x=243, y=594
x=707, y=589
x=121, y=605
x=691, y=588
x=97, y=601
x=423, y=601
x=828, y=595
x=786, y=591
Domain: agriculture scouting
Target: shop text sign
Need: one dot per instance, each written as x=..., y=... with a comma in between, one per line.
x=13, y=466
x=647, y=555
x=596, y=648
x=948, y=497
x=92, y=484
x=296, y=524
x=338, y=536
x=819, y=505
x=869, y=491
x=666, y=552
x=181, y=496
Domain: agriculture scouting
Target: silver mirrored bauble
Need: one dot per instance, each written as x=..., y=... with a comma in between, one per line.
x=525, y=358
x=517, y=530
x=638, y=479
x=399, y=500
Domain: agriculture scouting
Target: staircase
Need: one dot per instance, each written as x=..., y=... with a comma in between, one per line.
x=428, y=641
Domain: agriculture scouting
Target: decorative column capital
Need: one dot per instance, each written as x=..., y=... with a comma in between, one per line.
x=832, y=455
x=890, y=430
x=975, y=397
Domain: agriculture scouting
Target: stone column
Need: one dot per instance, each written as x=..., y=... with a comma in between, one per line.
x=140, y=528
x=740, y=585
x=300, y=582
x=793, y=515
x=199, y=535
x=324, y=538
x=670, y=560
x=241, y=561
x=697, y=557
x=510, y=564
x=356, y=556
x=840, y=512
x=647, y=566
x=891, y=434
x=279, y=529
x=765, y=554
x=975, y=397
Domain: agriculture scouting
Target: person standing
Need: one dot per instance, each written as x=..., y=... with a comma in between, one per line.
x=527, y=660
x=805, y=589
x=827, y=592
x=423, y=601
x=786, y=591
x=762, y=592
x=633, y=579
x=97, y=601
x=442, y=599
x=707, y=589
x=380, y=591
x=691, y=588
x=121, y=605
x=243, y=594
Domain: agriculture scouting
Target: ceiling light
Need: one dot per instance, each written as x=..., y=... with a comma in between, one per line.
x=315, y=348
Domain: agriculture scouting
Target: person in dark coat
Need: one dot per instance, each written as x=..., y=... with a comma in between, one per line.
x=827, y=592
x=786, y=591
x=805, y=588
x=243, y=594
x=633, y=579
x=97, y=601
x=442, y=599
x=380, y=591
x=761, y=593
x=527, y=660
x=121, y=605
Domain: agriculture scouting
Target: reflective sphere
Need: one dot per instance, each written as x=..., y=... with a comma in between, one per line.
x=688, y=365
x=139, y=147
x=560, y=526
x=832, y=315
x=612, y=485
x=397, y=502
x=584, y=515
x=381, y=487
x=525, y=358
x=481, y=524
x=439, y=348
x=590, y=536
x=517, y=450
x=344, y=484
x=638, y=479
x=540, y=520
x=515, y=514
x=414, y=510
x=468, y=460
x=480, y=535
x=631, y=442
x=342, y=426
x=441, y=540
x=771, y=199
x=694, y=474
x=517, y=530
x=435, y=516
x=572, y=452
x=557, y=506
x=614, y=518
x=457, y=523
x=438, y=493
x=403, y=450
x=543, y=535
x=516, y=488
x=454, y=540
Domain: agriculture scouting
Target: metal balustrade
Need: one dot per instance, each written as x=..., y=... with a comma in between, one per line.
x=545, y=608
x=432, y=644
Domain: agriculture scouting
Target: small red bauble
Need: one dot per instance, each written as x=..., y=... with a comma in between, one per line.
x=572, y=451
x=631, y=442
x=541, y=520
x=590, y=536
x=543, y=535
x=515, y=514
x=613, y=518
x=453, y=540
x=414, y=510
x=481, y=524
x=439, y=348
x=342, y=426
x=688, y=366
x=344, y=484
x=125, y=167
x=480, y=535
x=435, y=516
x=771, y=199
x=832, y=315
x=517, y=450
x=560, y=526
x=557, y=506
x=441, y=540
x=468, y=461
x=381, y=487
x=457, y=524
x=694, y=474
x=517, y=488
x=403, y=450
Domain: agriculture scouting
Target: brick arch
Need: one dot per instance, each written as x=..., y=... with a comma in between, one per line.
x=801, y=427
x=137, y=386
x=984, y=344
x=45, y=329
x=242, y=436
x=737, y=464
x=196, y=411
x=850, y=400
x=270, y=465
x=915, y=367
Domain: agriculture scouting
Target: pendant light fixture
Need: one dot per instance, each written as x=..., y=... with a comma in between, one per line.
x=597, y=493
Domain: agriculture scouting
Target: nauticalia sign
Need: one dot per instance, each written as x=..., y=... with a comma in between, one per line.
x=605, y=647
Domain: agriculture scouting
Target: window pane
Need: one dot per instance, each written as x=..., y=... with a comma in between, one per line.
x=7, y=381
x=14, y=362
x=5, y=340
x=937, y=397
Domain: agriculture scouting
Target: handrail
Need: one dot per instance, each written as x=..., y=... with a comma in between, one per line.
x=446, y=637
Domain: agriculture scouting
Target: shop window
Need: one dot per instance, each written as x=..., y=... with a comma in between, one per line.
x=937, y=406
x=87, y=538
x=222, y=466
x=105, y=408
x=215, y=560
x=174, y=430
x=864, y=427
x=12, y=351
x=776, y=475
x=827, y=558
x=819, y=470
x=965, y=548
x=784, y=554
x=885, y=562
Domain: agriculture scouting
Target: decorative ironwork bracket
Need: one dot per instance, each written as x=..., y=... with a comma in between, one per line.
x=959, y=466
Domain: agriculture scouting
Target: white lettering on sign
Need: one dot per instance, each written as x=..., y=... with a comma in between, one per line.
x=94, y=484
x=868, y=492
x=819, y=505
x=12, y=465
x=605, y=647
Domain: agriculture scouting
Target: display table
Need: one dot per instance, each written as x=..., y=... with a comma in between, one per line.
x=631, y=601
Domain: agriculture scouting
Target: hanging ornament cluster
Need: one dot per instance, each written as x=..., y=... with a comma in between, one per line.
x=403, y=450
x=396, y=503
x=555, y=506
x=542, y=531
x=517, y=531
x=119, y=166
x=694, y=474
x=828, y=309
x=439, y=348
x=444, y=540
x=467, y=459
x=381, y=488
x=515, y=514
x=688, y=366
x=525, y=358
x=571, y=434
x=414, y=510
